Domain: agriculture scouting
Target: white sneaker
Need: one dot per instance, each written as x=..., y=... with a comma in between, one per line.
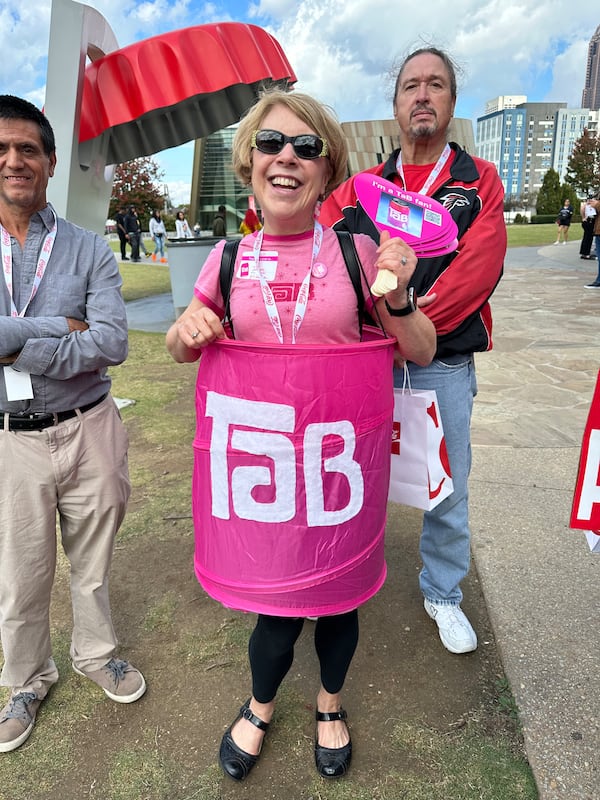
x=454, y=628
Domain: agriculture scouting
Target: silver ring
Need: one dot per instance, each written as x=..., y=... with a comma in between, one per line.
x=196, y=333
x=404, y=261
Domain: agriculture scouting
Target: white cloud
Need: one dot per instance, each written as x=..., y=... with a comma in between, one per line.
x=179, y=192
x=24, y=47
x=343, y=52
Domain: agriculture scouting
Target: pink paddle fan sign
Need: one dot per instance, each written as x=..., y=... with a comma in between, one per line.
x=420, y=220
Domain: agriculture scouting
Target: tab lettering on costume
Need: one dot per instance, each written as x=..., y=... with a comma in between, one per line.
x=244, y=480
x=343, y=463
x=590, y=488
x=266, y=489
x=234, y=411
x=18, y=385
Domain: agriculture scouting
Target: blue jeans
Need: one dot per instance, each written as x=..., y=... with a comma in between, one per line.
x=445, y=539
x=597, y=243
x=159, y=247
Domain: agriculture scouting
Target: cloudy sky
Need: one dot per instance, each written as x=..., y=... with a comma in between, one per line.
x=344, y=52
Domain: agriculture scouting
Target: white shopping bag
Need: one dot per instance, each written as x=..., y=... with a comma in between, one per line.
x=420, y=471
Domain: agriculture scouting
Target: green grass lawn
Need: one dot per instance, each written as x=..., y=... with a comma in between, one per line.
x=144, y=280
x=537, y=235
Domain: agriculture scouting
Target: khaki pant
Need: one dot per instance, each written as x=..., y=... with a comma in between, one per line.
x=78, y=470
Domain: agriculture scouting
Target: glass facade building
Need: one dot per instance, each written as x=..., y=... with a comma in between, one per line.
x=214, y=183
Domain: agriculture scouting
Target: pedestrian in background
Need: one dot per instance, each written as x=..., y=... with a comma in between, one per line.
x=588, y=218
x=159, y=233
x=182, y=228
x=133, y=233
x=563, y=220
x=219, y=227
x=121, y=232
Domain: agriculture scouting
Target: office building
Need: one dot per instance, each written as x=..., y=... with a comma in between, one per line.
x=526, y=141
x=569, y=126
x=370, y=142
x=590, y=97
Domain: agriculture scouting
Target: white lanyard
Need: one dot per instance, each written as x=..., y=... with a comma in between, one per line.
x=302, y=299
x=438, y=167
x=7, y=265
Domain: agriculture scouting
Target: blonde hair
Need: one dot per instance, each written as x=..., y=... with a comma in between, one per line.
x=319, y=117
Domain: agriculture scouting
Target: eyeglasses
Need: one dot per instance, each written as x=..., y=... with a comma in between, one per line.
x=306, y=145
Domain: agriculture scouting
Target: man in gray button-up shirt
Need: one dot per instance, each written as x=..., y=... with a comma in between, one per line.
x=63, y=446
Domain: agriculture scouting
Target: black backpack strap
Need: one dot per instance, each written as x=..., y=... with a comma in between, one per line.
x=226, y=271
x=355, y=271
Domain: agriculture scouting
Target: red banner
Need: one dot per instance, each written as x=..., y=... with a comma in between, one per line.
x=585, y=514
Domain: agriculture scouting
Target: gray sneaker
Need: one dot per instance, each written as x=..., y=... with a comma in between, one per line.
x=17, y=719
x=120, y=680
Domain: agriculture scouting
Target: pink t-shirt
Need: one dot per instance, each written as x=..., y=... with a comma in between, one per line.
x=332, y=310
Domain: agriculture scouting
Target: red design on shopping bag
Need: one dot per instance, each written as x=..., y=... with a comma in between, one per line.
x=439, y=469
x=585, y=512
x=395, y=438
x=420, y=473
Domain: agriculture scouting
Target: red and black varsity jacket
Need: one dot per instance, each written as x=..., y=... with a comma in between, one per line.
x=471, y=190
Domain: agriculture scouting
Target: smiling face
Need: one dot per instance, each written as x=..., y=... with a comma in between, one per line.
x=424, y=105
x=287, y=187
x=24, y=167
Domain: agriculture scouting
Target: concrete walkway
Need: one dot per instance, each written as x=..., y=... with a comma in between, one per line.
x=540, y=582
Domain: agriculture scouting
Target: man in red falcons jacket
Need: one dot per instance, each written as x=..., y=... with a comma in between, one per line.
x=463, y=281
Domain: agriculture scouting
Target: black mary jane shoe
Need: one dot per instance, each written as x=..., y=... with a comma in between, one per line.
x=236, y=762
x=332, y=762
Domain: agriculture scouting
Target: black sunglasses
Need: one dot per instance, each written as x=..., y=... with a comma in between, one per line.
x=306, y=145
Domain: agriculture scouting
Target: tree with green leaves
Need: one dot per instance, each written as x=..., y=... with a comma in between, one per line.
x=583, y=168
x=550, y=198
x=137, y=183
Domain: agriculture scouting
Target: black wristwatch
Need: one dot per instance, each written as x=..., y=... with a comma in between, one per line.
x=408, y=308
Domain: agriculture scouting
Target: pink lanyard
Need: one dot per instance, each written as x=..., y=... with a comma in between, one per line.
x=438, y=167
x=302, y=299
x=7, y=264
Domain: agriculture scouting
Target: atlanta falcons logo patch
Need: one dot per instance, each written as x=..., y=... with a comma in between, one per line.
x=454, y=200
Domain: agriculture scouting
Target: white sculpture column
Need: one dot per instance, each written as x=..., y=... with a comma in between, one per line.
x=79, y=192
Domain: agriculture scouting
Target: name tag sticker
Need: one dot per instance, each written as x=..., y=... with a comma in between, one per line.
x=18, y=385
x=268, y=261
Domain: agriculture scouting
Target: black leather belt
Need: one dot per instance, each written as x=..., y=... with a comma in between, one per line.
x=37, y=421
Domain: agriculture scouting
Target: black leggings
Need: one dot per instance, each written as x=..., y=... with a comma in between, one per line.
x=271, y=651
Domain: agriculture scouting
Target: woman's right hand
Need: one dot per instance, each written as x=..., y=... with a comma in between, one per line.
x=200, y=327
x=197, y=327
